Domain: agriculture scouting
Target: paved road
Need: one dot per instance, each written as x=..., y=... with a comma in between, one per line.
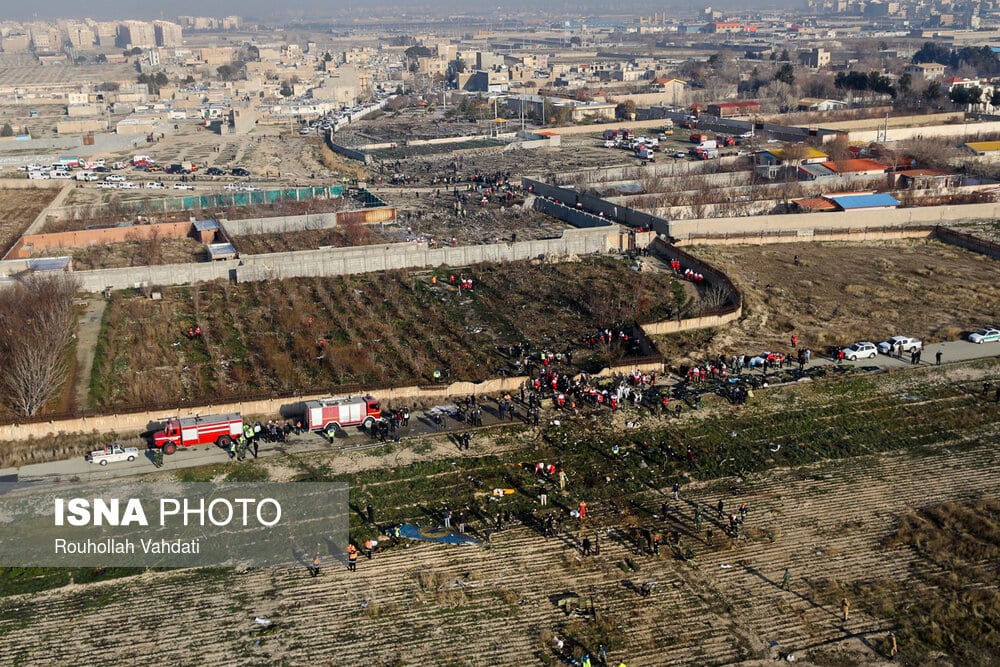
x=420, y=424
x=951, y=351
x=78, y=468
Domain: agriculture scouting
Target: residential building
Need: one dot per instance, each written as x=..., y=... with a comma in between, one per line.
x=167, y=33
x=927, y=70
x=819, y=104
x=816, y=58
x=730, y=109
x=136, y=34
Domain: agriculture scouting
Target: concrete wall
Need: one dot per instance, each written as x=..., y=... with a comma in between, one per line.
x=964, y=131
x=268, y=408
x=286, y=406
x=854, y=236
x=44, y=150
x=634, y=172
x=805, y=224
x=594, y=205
x=345, y=151
x=894, y=121
x=691, y=323
x=973, y=243
x=573, y=216
x=599, y=129
x=165, y=274
x=31, y=243
x=337, y=261
x=386, y=257
x=278, y=225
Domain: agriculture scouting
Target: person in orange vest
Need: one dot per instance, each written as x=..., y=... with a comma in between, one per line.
x=314, y=567
x=352, y=557
x=368, y=548
x=582, y=510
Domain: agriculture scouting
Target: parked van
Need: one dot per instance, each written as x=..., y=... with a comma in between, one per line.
x=60, y=173
x=38, y=175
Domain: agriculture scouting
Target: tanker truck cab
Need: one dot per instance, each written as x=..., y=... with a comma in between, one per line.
x=220, y=430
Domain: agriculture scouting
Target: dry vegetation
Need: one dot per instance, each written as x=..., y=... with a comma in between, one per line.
x=20, y=208
x=948, y=601
x=841, y=293
x=395, y=328
x=132, y=253
x=825, y=520
x=310, y=239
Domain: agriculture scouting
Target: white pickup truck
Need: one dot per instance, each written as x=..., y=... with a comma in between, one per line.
x=113, y=452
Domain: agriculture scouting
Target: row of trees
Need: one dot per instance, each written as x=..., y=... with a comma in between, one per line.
x=36, y=328
x=963, y=96
x=982, y=59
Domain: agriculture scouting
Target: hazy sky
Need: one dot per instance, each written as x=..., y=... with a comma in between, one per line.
x=304, y=9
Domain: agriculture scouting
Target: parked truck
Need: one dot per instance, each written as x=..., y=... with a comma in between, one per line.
x=698, y=137
x=645, y=153
x=331, y=414
x=221, y=430
x=113, y=452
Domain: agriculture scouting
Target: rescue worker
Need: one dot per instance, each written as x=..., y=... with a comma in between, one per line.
x=368, y=548
x=158, y=457
x=352, y=557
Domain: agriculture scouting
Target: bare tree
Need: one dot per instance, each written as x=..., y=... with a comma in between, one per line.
x=36, y=326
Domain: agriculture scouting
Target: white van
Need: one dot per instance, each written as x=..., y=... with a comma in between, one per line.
x=38, y=175
x=60, y=173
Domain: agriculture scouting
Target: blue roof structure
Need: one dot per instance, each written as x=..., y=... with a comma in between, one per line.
x=877, y=200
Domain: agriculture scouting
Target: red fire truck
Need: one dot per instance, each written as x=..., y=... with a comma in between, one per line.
x=329, y=414
x=191, y=431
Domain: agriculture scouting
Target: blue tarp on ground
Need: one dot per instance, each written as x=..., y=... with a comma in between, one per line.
x=439, y=535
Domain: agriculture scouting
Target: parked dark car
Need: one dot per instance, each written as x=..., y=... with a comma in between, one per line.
x=215, y=171
x=240, y=171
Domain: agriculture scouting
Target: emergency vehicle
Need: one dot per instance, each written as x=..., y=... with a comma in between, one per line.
x=330, y=414
x=221, y=430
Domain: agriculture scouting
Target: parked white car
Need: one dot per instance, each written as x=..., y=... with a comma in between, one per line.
x=114, y=178
x=909, y=344
x=105, y=185
x=113, y=453
x=183, y=186
x=154, y=185
x=863, y=350
x=130, y=185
